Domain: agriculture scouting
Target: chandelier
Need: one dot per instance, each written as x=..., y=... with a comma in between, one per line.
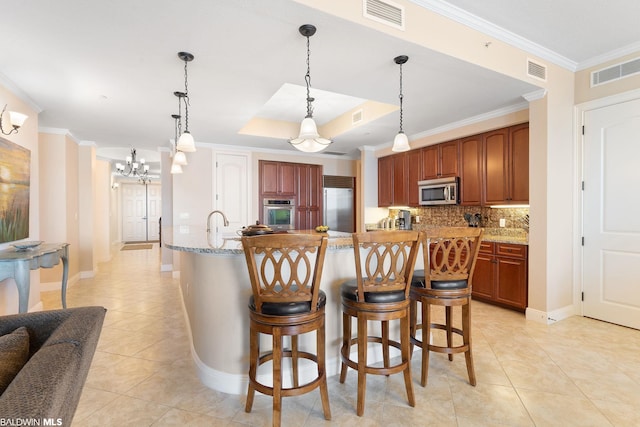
x=185, y=143
x=309, y=140
x=134, y=168
x=401, y=142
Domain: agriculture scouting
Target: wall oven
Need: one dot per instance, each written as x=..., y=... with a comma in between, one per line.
x=279, y=214
x=442, y=191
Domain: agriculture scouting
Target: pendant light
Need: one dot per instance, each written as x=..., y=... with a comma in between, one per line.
x=185, y=142
x=179, y=158
x=309, y=141
x=401, y=142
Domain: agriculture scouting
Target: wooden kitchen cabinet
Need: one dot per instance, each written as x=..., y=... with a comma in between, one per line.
x=414, y=174
x=440, y=160
x=277, y=178
x=500, y=276
x=385, y=181
x=471, y=171
x=309, y=196
x=400, y=180
x=506, y=166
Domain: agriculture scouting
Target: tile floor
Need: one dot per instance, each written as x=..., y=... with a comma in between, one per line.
x=577, y=372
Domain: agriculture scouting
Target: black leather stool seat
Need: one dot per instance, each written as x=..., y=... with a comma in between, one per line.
x=349, y=290
x=288, y=309
x=418, y=282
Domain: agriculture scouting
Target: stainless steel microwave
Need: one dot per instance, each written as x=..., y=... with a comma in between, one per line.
x=441, y=191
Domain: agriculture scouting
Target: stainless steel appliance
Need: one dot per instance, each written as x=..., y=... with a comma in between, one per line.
x=279, y=214
x=338, y=203
x=442, y=191
x=404, y=220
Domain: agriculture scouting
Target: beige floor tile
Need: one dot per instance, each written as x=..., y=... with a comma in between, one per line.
x=126, y=411
x=551, y=409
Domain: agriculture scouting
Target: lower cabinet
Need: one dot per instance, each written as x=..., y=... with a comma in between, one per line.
x=500, y=276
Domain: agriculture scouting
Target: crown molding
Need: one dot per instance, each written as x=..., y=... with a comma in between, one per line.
x=535, y=95
x=13, y=88
x=465, y=18
x=609, y=56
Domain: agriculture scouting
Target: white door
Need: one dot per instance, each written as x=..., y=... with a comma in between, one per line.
x=154, y=210
x=611, y=217
x=232, y=192
x=134, y=213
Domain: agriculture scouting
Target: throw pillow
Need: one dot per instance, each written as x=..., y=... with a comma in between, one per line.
x=14, y=353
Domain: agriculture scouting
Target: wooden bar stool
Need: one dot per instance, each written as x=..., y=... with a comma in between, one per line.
x=285, y=272
x=384, y=266
x=450, y=253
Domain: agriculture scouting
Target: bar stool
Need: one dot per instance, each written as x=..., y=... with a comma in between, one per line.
x=285, y=272
x=450, y=253
x=384, y=266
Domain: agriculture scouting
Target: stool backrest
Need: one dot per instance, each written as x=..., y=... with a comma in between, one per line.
x=450, y=253
x=285, y=267
x=385, y=260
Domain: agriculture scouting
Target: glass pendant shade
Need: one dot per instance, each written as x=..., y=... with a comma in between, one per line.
x=180, y=159
x=309, y=141
x=17, y=119
x=400, y=143
x=175, y=168
x=186, y=143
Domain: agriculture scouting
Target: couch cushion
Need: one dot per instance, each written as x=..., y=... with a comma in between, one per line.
x=14, y=353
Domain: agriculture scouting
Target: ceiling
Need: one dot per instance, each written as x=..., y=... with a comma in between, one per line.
x=106, y=70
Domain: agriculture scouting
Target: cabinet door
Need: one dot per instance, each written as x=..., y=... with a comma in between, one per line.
x=448, y=159
x=286, y=179
x=268, y=178
x=430, y=162
x=511, y=283
x=495, y=155
x=316, y=192
x=484, y=273
x=400, y=180
x=414, y=172
x=519, y=164
x=304, y=186
x=385, y=181
x=470, y=171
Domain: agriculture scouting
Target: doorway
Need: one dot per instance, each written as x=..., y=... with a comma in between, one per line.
x=141, y=207
x=611, y=213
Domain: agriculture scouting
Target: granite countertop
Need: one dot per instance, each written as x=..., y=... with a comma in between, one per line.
x=190, y=238
x=517, y=236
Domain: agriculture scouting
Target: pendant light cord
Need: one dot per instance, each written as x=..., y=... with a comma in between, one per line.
x=401, y=97
x=186, y=98
x=307, y=79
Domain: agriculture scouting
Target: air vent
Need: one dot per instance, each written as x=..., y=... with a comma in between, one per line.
x=385, y=12
x=334, y=153
x=536, y=70
x=356, y=117
x=334, y=181
x=615, y=72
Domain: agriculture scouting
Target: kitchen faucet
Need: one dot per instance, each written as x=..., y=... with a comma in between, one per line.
x=224, y=219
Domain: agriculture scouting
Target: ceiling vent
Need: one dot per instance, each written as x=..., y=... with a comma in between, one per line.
x=356, y=117
x=536, y=70
x=385, y=12
x=615, y=72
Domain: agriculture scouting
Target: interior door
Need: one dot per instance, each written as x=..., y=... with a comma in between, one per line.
x=154, y=210
x=611, y=216
x=232, y=191
x=134, y=213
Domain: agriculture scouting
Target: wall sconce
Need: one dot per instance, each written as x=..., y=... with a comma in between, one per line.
x=15, y=120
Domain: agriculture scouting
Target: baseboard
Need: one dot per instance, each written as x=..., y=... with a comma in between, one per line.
x=56, y=286
x=551, y=316
x=38, y=307
x=87, y=274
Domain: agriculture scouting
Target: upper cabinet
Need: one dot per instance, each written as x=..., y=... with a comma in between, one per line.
x=385, y=181
x=440, y=160
x=471, y=170
x=277, y=178
x=393, y=180
x=506, y=166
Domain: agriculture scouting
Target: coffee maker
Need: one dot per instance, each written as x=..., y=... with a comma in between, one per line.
x=404, y=220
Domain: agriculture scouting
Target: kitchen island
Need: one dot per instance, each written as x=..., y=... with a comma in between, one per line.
x=215, y=291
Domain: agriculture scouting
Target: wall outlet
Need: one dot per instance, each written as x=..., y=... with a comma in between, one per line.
x=503, y=222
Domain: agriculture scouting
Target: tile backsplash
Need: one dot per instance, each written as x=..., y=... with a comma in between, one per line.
x=453, y=216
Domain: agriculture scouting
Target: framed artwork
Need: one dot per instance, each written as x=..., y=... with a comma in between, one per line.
x=15, y=180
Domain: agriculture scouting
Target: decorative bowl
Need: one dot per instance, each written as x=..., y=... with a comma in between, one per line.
x=23, y=246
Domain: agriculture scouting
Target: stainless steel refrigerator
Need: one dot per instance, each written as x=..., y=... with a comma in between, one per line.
x=338, y=209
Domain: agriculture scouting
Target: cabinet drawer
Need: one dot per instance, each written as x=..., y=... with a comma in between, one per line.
x=511, y=250
x=486, y=247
